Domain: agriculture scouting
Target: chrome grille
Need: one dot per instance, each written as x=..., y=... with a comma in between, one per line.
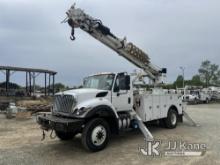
x=64, y=103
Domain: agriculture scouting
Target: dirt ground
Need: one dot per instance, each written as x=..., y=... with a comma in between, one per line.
x=20, y=143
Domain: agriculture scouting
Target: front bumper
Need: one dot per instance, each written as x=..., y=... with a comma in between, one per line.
x=48, y=121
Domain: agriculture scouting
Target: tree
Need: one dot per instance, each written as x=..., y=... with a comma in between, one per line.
x=10, y=84
x=179, y=81
x=208, y=72
x=217, y=79
x=59, y=87
x=196, y=81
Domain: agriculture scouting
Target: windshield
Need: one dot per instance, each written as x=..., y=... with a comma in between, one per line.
x=103, y=81
x=194, y=92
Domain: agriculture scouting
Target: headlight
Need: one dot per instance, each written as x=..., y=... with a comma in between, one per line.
x=81, y=111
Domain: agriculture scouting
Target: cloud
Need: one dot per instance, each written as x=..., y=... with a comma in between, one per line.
x=174, y=33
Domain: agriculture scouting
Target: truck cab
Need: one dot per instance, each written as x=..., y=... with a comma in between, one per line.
x=118, y=85
x=111, y=89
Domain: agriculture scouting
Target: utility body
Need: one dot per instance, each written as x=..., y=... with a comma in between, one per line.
x=110, y=103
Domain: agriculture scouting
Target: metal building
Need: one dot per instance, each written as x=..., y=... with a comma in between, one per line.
x=31, y=75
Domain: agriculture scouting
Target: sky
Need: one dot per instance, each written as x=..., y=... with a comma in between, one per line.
x=173, y=33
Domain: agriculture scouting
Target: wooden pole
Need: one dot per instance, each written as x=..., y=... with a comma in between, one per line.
x=26, y=82
x=45, y=89
x=53, y=84
x=30, y=83
x=49, y=86
x=7, y=81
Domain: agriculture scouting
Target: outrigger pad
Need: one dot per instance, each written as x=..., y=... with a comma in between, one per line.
x=190, y=119
x=147, y=134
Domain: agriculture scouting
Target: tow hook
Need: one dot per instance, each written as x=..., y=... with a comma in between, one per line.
x=52, y=134
x=43, y=135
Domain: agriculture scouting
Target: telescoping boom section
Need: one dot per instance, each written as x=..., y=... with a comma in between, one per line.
x=77, y=18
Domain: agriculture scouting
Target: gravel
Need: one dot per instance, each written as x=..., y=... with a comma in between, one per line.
x=20, y=143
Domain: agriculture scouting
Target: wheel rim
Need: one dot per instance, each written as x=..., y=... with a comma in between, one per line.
x=173, y=118
x=98, y=135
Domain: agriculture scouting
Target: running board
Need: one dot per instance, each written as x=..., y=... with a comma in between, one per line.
x=147, y=134
x=189, y=119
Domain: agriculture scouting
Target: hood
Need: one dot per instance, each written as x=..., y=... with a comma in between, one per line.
x=82, y=93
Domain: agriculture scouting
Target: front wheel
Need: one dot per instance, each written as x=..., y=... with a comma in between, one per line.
x=171, y=120
x=195, y=101
x=95, y=135
x=207, y=100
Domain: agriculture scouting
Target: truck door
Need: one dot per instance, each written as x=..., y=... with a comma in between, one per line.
x=122, y=96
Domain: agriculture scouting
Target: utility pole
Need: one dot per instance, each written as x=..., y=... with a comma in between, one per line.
x=183, y=69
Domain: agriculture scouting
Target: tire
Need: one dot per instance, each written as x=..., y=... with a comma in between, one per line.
x=64, y=136
x=171, y=120
x=162, y=123
x=207, y=100
x=195, y=101
x=95, y=135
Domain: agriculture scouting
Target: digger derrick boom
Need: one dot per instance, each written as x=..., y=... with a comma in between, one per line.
x=77, y=18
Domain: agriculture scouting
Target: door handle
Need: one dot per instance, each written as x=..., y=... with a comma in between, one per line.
x=129, y=100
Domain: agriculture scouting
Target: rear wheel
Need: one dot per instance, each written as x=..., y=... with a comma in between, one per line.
x=95, y=135
x=171, y=120
x=162, y=123
x=65, y=135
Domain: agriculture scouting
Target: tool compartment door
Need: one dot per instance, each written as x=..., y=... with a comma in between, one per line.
x=145, y=107
x=148, y=107
x=163, y=106
x=156, y=107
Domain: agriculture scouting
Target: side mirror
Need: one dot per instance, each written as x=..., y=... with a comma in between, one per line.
x=127, y=82
x=123, y=83
x=85, y=81
x=116, y=89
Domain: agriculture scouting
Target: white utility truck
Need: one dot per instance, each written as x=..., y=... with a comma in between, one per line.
x=197, y=96
x=110, y=102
